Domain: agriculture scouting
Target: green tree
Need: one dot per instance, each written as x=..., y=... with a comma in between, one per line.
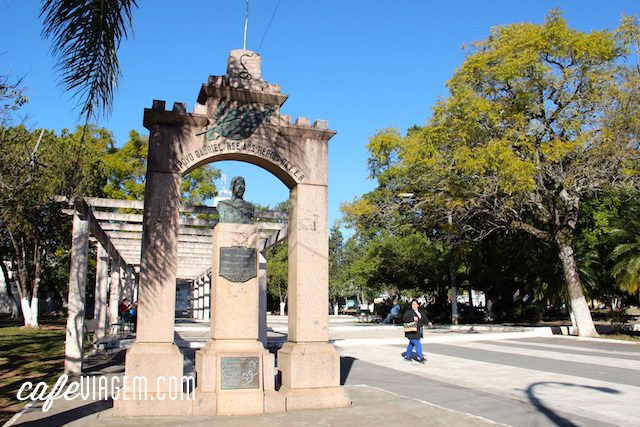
x=539, y=118
x=626, y=253
x=277, y=263
x=338, y=285
x=127, y=167
x=594, y=242
x=12, y=97
x=278, y=274
x=35, y=166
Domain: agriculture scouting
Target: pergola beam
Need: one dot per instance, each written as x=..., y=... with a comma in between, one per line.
x=95, y=230
x=99, y=202
x=138, y=218
x=118, y=235
x=137, y=228
x=135, y=244
x=121, y=233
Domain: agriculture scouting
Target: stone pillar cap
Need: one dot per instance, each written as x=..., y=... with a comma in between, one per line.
x=244, y=64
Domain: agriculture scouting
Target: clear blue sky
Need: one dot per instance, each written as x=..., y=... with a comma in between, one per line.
x=362, y=65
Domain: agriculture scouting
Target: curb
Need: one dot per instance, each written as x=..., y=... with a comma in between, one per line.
x=436, y=339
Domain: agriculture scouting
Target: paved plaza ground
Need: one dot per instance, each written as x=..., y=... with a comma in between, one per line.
x=472, y=377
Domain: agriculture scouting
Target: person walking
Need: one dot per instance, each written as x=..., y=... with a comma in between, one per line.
x=414, y=319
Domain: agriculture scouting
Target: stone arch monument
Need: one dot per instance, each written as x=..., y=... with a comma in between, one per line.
x=237, y=118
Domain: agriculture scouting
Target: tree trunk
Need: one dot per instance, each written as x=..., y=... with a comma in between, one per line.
x=28, y=303
x=9, y=294
x=572, y=317
x=454, y=299
x=336, y=309
x=578, y=302
x=30, y=311
x=282, y=305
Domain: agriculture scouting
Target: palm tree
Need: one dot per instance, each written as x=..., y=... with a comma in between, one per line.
x=85, y=36
x=626, y=253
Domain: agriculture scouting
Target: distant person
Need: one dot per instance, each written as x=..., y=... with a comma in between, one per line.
x=394, y=313
x=133, y=314
x=124, y=306
x=123, y=309
x=419, y=317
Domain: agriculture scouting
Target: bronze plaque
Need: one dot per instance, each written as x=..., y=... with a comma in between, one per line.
x=238, y=263
x=239, y=373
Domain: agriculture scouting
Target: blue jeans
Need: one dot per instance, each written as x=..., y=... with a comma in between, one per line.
x=418, y=345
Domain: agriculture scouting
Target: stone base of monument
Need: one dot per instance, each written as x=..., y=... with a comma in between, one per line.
x=152, y=382
x=155, y=405
x=235, y=377
x=315, y=398
x=311, y=376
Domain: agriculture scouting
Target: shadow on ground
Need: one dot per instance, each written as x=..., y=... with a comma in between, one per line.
x=66, y=417
x=553, y=416
x=345, y=367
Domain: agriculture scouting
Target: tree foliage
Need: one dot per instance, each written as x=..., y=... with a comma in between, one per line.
x=35, y=166
x=625, y=232
x=539, y=118
x=86, y=36
x=277, y=272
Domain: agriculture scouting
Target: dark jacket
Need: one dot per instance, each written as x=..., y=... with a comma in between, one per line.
x=408, y=317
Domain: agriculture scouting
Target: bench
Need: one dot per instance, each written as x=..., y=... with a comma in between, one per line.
x=365, y=316
x=120, y=329
x=106, y=342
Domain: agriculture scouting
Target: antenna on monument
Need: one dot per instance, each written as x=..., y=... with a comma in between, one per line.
x=246, y=24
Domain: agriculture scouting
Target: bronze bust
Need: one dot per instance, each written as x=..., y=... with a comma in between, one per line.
x=236, y=210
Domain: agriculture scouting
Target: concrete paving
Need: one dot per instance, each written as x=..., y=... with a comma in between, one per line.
x=520, y=382
x=371, y=407
x=477, y=377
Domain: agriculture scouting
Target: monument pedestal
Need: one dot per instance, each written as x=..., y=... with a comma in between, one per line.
x=236, y=377
x=235, y=374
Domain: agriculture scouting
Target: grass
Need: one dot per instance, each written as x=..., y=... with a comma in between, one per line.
x=622, y=336
x=28, y=354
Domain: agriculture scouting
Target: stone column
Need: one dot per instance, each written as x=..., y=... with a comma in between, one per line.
x=202, y=292
x=207, y=297
x=128, y=283
x=159, y=260
x=200, y=296
x=77, y=291
x=123, y=282
x=102, y=289
x=172, y=135
x=194, y=298
x=135, y=284
x=262, y=282
x=114, y=294
x=154, y=353
x=310, y=366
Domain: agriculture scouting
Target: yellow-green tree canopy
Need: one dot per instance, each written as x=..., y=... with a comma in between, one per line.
x=538, y=118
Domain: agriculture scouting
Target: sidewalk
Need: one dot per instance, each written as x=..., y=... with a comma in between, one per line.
x=372, y=406
x=474, y=376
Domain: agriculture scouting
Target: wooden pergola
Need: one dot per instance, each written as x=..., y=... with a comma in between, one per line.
x=116, y=226
x=119, y=231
